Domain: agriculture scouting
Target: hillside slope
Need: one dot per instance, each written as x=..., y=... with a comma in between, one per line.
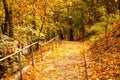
x=106, y=55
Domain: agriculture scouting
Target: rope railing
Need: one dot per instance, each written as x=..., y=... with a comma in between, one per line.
x=21, y=50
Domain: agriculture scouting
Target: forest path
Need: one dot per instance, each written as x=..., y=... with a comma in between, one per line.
x=65, y=63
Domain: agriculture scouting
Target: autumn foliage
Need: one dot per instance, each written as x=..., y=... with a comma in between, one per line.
x=106, y=57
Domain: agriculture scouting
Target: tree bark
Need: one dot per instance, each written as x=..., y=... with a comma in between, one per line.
x=6, y=25
x=71, y=34
x=61, y=35
x=119, y=4
x=111, y=6
x=2, y=28
x=43, y=21
x=10, y=23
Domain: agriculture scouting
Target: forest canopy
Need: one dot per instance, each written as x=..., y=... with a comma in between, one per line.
x=67, y=18
x=26, y=21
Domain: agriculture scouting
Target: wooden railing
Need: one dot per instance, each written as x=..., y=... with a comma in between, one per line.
x=19, y=53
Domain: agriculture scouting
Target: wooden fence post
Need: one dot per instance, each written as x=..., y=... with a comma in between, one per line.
x=56, y=42
x=20, y=65
x=59, y=41
x=32, y=56
x=27, y=47
x=41, y=53
x=52, y=44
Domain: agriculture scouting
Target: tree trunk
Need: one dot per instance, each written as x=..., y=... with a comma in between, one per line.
x=106, y=28
x=119, y=7
x=119, y=4
x=6, y=25
x=71, y=34
x=61, y=35
x=10, y=23
x=111, y=6
x=82, y=26
x=43, y=21
x=2, y=28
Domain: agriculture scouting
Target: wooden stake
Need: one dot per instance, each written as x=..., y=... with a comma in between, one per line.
x=20, y=65
x=41, y=53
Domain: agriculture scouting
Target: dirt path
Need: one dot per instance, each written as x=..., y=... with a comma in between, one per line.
x=64, y=63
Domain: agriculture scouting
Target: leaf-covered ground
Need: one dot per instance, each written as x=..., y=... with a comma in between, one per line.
x=67, y=62
x=106, y=56
x=64, y=63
